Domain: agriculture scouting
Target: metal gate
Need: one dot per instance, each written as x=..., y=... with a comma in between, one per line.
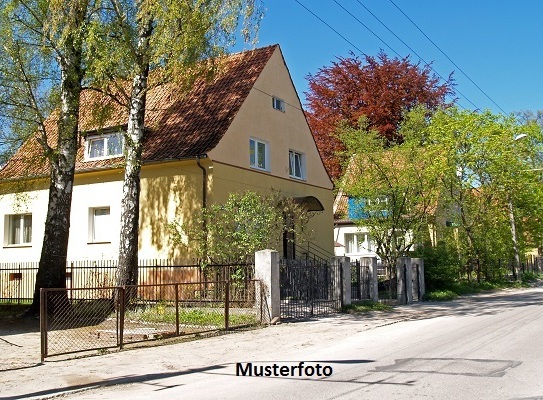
x=309, y=288
x=388, y=285
x=360, y=281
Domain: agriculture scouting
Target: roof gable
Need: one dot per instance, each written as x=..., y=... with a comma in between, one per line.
x=177, y=126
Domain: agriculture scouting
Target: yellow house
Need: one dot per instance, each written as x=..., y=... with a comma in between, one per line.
x=245, y=130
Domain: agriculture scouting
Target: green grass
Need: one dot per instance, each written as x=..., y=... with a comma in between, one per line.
x=366, y=306
x=189, y=316
x=453, y=290
x=440, y=295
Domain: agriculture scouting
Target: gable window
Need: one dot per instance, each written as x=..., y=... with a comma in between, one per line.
x=18, y=229
x=99, y=225
x=278, y=104
x=259, y=154
x=104, y=146
x=296, y=167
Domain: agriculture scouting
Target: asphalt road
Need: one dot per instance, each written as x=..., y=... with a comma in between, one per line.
x=483, y=347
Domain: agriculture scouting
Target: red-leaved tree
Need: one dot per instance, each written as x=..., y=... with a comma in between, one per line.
x=381, y=89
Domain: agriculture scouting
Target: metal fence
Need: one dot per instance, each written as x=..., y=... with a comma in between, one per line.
x=100, y=318
x=17, y=280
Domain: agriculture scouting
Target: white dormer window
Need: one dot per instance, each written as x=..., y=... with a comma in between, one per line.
x=278, y=104
x=104, y=146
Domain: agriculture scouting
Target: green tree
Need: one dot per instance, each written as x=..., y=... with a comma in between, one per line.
x=245, y=223
x=178, y=41
x=393, y=190
x=42, y=45
x=489, y=179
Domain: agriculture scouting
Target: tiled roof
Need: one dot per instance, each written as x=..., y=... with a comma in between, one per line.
x=176, y=126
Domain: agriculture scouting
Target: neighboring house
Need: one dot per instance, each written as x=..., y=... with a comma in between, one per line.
x=350, y=240
x=245, y=130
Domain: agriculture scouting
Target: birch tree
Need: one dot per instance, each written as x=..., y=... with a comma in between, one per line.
x=179, y=40
x=43, y=44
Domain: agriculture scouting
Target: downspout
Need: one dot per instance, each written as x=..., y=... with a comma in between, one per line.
x=204, y=204
x=204, y=182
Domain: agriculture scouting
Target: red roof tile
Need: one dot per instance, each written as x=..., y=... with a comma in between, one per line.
x=176, y=126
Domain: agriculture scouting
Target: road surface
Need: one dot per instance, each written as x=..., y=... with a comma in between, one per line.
x=480, y=347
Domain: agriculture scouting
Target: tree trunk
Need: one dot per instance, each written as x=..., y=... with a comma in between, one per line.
x=52, y=265
x=127, y=270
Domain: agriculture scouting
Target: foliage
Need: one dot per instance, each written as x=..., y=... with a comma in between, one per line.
x=380, y=88
x=441, y=264
x=488, y=179
x=397, y=187
x=245, y=223
x=366, y=306
x=440, y=295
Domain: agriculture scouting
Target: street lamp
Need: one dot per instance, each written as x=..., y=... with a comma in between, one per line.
x=516, y=261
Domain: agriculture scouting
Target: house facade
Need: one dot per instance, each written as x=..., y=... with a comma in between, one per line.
x=245, y=130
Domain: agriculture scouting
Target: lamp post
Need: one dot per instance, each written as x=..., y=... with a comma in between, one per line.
x=513, y=227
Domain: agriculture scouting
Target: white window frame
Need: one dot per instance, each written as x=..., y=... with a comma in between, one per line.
x=20, y=238
x=362, y=243
x=106, y=150
x=278, y=104
x=256, y=145
x=97, y=232
x=292, y=156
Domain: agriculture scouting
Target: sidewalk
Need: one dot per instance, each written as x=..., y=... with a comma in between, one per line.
x=22, y=376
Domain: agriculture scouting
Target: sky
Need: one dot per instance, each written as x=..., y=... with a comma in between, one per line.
x=494, y=47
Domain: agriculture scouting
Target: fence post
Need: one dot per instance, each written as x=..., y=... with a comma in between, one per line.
x=419, y=262
x=121, y=300
x=227, y=305
x=43, y=323
x=342, y=283
x=371, y=262
x=177, y=309
x=267, y=271
x=405, y=280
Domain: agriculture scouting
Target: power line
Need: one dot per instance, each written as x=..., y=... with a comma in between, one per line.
x=325, y=23
x=413, y=51
x=448, y=58
x=377, y=36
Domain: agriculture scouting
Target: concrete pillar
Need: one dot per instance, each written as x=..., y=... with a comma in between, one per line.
x=267, y=271
x=343, y=287
x=371, y=262
x=419, y=262
x=405, y=280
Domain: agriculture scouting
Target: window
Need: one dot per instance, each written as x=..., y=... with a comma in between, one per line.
x=296, y=167
x=100, y=226
x=18, y=229
x=356, y=243
x=259, y=154
x=104, y=146
x=278, y=104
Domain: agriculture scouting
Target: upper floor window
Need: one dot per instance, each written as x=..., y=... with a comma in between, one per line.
x=18, y=229
x=259, y=154
x=356, y=243
x=104, y=146
x=278, y=104
x=296, y=167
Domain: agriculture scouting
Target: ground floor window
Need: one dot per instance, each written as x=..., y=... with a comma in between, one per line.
x=18, y=229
